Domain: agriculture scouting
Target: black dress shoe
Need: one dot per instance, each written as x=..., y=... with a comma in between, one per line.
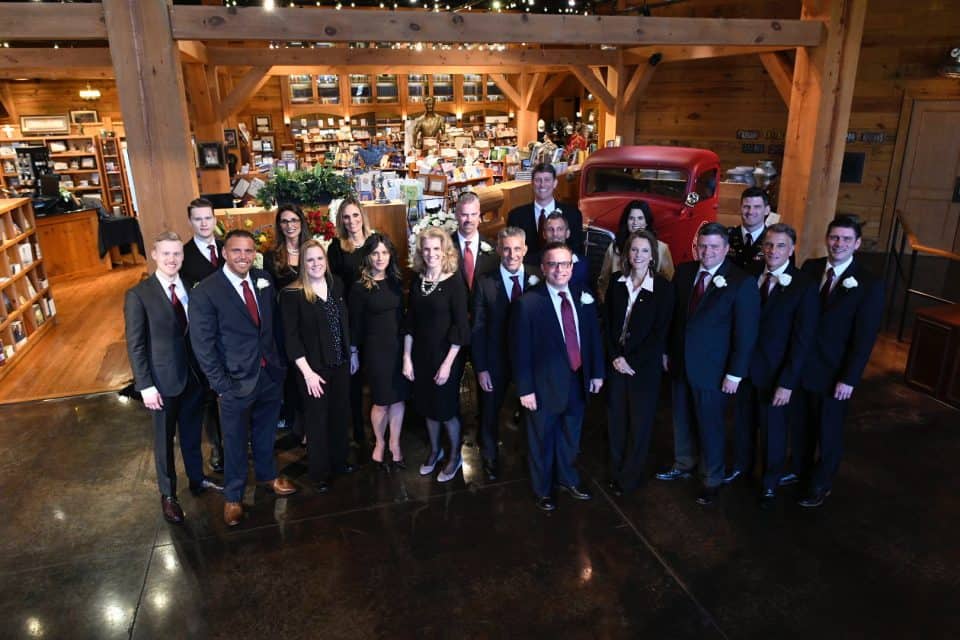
x=815, y=499
x=399, y=465
x=546, y=503
x=578, y=493
x=674, y=473
x=491, y=469
x=735, y=475
x=768, y=500
x=171, y=509
x=615, y=488
x=788, y=479
x=708, y=495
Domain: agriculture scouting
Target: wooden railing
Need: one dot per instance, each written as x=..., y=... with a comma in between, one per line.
x=902, y=241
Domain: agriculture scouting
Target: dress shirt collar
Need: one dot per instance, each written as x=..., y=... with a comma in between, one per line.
x=166, y=282
x=555, y=293
x=749, y=237
x=550, y=207
x=203, y=245
x=236, y=280
x=647, y=284
x=473, y=240
x=712, y=271
x=838, y=269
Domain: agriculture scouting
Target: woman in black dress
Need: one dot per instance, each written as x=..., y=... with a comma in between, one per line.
x=437, y=326
x=318, y=343
x=638, y=310
x=346, y=259
x=283, y=264
x=376, y=331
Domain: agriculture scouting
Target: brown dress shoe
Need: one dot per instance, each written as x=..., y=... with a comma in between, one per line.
x=171, y=509
x=232, y=513
x=281, y=486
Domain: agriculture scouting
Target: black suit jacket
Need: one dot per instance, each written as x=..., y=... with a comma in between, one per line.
x=646, y=337
x=308, y=332
x=491, y=315
x=787, y=324
x=524, y=217
x=158, y=350
x=847, y=327
x=227, y=343
x=718, y=338
x=747, y=257
x=484, y=262
x=197, y=266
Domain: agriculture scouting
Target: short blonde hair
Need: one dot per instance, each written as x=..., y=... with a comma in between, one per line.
x=167, y=236
x=450, y=260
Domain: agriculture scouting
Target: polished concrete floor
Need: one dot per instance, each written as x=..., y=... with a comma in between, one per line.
x=85, y=553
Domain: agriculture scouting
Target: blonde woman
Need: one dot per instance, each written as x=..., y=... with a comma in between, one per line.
x=437, y=326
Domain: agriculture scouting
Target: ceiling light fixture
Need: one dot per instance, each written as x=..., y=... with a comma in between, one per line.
x=89, y=93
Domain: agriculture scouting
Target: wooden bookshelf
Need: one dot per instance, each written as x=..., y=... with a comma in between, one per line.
x=27, y=310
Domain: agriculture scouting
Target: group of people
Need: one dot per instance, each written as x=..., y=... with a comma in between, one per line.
x=235, y=346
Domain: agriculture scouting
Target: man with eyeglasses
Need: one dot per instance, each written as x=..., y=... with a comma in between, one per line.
x=851, y=308
x=532, y=217
x=557, y=359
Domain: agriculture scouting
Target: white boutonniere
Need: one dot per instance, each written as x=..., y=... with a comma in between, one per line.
x=532, y=280
x=849, y=283
x=586, y=298
x=485, y=247
x=575, y=259
x=262, y=283
x=784, y=279
x=719, y=282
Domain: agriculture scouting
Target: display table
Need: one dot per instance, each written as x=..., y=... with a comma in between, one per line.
x=70, y=244
x=934, y=362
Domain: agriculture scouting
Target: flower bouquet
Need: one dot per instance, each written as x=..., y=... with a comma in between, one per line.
x=445, y=221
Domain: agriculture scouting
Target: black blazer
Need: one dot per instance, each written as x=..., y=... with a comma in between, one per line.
x=747, y=257
x=847, y=327
x=718, y=338
x=491, y=314
x=646, y=338
x=197, y=266
x=524, y=217
x=484, y=262
x=158, y=350
x=787, y=324
x=228, y=345
x=308, y=333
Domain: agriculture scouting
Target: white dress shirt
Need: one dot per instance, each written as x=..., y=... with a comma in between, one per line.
x=776, y=273
x=546, y=209
x=632, y=293
x=555, y=299
x=237, y=283
x=204, y=247
x=749, y=237
x=837, y=272
x=474, y=245
x=507, y=278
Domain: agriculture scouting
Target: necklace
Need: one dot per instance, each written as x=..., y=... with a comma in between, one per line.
x=293, y=252
x=428, y=286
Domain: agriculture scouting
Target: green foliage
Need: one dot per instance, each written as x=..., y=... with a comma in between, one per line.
x=307, y=188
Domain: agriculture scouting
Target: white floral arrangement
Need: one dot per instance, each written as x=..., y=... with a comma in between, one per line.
x=532, y=280
x=586, y=298
x=784, y=279
x=719, y=282
x=441, y=219
x=258, y=260
x=850, y=283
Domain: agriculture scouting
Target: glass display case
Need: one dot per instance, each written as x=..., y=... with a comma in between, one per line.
x=494, y=94
x=301, y=89
x=387, y=88
x=328, y=89
x=360, y=89
x=416, y=87
x=472, y=87
x=443, y=87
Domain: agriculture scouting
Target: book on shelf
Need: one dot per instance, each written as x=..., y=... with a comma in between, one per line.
x=38, y=316
x=19, y=332
x=31, y=291
x=50, y=306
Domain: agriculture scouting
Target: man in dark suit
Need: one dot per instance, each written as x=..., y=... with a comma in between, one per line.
x=476, y=255
x=556, y=229
x=202, y=256
x=555, y=364
x=493, y=294
x=788, y=319
x=165, y=372
x=851, y=307
x=746, y=250
x=528, y=216
x=233, y=338
x=714, y=327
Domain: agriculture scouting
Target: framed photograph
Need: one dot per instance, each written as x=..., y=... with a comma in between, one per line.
x=211, y=155
x=84, y=117
x=230, y=137
x=262, y=124
x=267, y=144
x=44, y=125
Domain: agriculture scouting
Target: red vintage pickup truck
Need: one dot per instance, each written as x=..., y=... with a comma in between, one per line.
x=680, y=184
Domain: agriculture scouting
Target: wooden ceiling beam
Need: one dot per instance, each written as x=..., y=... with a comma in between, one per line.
x=68, y=73
x=192, y=51
x=245, y=88
x=533, y=86
x=36, y=21
x=354, y=25
x=636, y=86
x=50, y=58
x=549, y=87
x=6, y=99
x=640, y=55
x=508, y=89
x=780, y=69
x=594, y=86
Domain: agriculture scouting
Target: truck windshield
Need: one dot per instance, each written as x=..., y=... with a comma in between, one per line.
x=667, y=183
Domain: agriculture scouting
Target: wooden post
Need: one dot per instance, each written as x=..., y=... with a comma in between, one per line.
x=823, y=82
x=146, y=62
x=527, y=113
x=207, y=125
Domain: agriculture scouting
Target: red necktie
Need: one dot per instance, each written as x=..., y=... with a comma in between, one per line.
x=765, y=288
x=251, y=303
x=178, y=309
x=468, y=263
x=825, y=289
x=570, y=331
x=212, y=248
x=515, y=290
x=698, y=290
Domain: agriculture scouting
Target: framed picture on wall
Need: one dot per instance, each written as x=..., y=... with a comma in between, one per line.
x=44, y=125
x=84, y=117
x=230, y=137
x=211, y=155
x=262, y=124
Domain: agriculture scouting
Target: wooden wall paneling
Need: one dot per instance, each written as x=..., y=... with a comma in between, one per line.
x=203, y=98
x=9, y=105
x=780, y=70
x=148, y=71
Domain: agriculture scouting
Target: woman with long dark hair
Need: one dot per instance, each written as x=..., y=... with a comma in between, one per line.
x=376, y=334
x=282, y=262
x=636, y=216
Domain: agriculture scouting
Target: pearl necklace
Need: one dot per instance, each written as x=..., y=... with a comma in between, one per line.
x=428, y=286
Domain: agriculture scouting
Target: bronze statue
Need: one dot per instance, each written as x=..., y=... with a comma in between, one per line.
x=429, y=125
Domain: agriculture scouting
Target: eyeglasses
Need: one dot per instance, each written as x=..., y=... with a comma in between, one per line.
x=559, y=265
x=291, y=221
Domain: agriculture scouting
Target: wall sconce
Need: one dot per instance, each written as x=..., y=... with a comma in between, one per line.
x=511, y=115
x=459, y=115
x=952, y=68
x=89, y=93
x=8, y=130
x=346, y=119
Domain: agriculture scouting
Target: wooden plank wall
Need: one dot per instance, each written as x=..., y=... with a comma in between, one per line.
x=48, y=97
